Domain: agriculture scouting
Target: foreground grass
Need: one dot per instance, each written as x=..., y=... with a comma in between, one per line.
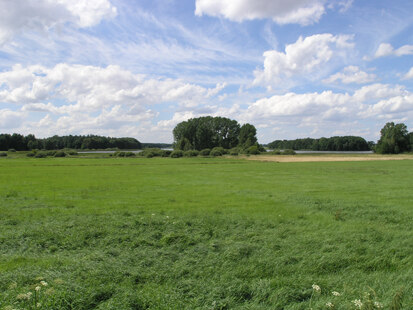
x=204, y=233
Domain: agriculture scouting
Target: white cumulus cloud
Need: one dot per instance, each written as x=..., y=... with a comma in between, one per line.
x=386, y=49
x=90, y=88
x=10, y=119
x=372, y=101
x=26, y=15
x=301, y=58
x=409, y=75
x=303, y=12
x=351, y=74
x=90, y=99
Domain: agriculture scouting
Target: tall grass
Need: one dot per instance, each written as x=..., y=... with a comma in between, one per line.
x=205, y=233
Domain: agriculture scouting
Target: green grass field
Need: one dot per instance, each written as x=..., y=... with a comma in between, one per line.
x=204, y=233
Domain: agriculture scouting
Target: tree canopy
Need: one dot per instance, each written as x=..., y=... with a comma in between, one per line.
x=394, y=139
x=345, y=143
x=30, y=142
x=208, y=132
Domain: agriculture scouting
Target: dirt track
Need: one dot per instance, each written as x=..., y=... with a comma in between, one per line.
x=329, y=157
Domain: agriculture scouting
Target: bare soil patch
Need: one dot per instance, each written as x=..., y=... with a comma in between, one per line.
x=327, y=157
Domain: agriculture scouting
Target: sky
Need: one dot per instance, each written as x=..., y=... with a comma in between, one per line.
x=136, y=68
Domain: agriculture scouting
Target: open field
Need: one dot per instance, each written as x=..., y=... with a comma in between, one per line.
x=204, y=233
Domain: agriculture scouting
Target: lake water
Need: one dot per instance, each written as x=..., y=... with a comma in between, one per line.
x=111, y=152
x=106, y=152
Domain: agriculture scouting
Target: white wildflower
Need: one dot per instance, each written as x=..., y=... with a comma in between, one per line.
x=316, y=288
x=357, y=303
x=21, y=296
x=330, y=305
x=44, y=283
x=378, y=305
x=13, y=285
x=335, y=293
x=29, y=295
x=37, y=288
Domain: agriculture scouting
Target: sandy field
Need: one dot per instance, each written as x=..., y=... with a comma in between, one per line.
x=327, y=157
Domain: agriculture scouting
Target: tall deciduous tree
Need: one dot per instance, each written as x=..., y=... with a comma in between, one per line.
x=247, y=136
x=207, y=132
x=394, y=139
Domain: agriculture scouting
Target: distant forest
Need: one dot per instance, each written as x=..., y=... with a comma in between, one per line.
x=346, y=143
x=30, y=142
x=157, y=145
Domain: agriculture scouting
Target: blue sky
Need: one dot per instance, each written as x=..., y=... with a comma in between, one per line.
x=293, y=69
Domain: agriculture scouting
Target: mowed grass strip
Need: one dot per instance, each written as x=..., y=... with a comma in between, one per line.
x=204, y=233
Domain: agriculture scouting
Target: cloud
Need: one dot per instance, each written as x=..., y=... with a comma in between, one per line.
x=303, y=12
x=386, y=49
x=27, y=15
x=351, y=74
x=89, y=99
x=301, y=58
x=10, y=119
x=408, y=75
x=390, y=106
x=372, y=101
x=91, y=88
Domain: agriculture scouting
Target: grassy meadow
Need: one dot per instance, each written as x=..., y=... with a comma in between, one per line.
x=205, y=233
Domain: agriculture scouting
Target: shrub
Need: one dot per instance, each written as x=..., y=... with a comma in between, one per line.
x=191, y=153
x=234, y=151
x=151, y=152
x=253, y=150
x=59, y=154
x=166, y=153
x=31, y=154
x=221, y=150
x=72, y=153
x=215, y=153
x=177, y=154
x=50, y=153
x=129, y=154
x=41, y=155
x=11, y=150
x=205, y=152
x=275, y=152
x=288, y=152
x=3, y=154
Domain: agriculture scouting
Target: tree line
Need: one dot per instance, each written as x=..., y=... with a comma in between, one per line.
x=30, y=142
x=394, y=139
x=207, y=133
x=345, y=143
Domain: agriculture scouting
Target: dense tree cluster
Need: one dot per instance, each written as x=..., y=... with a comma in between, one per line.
x=29, y=142
x=394, y=139
x=346, y=143
x=209, y=132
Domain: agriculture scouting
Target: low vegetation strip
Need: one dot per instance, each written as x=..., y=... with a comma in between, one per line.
x=328, y=157
x=162, y=233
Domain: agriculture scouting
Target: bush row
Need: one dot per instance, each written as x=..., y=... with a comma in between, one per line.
x=216, y=151
x=155, y=152
x=44, y=154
